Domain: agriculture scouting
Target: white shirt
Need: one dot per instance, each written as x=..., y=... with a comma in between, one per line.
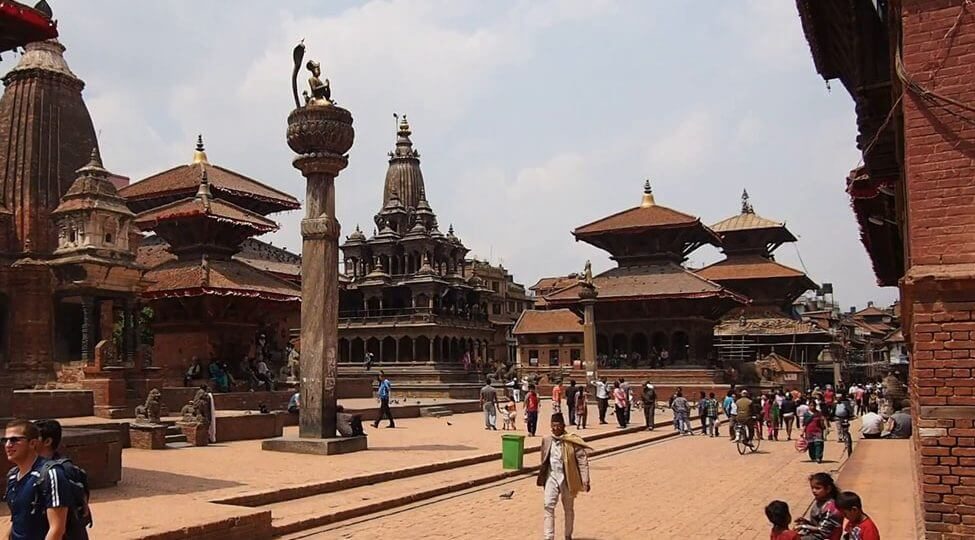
x=601, y=392
x=556, y=470
x=873, y=424
x=801, y=411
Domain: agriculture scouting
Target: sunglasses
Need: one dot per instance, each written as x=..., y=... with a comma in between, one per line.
x=12, y=440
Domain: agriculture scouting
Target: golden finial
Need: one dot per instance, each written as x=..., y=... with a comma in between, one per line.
x=647, y=195
x=199, y=156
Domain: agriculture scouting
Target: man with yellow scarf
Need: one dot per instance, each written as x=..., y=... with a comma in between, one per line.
x=564, y=473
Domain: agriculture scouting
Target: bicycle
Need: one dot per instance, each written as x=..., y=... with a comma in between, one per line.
x=743, y=441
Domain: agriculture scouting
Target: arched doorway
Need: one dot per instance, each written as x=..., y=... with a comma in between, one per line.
x=620, y=344
x=639, y=346
x=358, y=350
x=602, y=345
x=372, y=347
x=406, y=350
x=344, y=355
x=389, y=350
x=681, y=346
x=423, y=349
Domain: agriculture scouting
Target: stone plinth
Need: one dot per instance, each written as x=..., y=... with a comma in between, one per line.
x=196, y=434
x=147, y=436
x=323, y=447
x=107, y=385
x=36, y=404
x=245, y=427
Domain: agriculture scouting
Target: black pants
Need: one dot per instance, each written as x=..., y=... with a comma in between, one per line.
x=384, y=412
x=621, y=416
x=626, y=415
x=648, y=412
x=602, y=404
x=569, y=404
x=532, y=422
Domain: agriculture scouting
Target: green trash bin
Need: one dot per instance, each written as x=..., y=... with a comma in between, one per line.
x=512, y=451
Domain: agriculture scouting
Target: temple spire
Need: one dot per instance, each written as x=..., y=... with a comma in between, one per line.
x=746, y=206
x=200, y=155
x=403, y=177
x=648, y=200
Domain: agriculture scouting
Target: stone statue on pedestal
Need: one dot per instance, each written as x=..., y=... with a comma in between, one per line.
x=149, y=412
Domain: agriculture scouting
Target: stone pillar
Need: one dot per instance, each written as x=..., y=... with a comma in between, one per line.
x=87, y=329
x=588, y=294
x=321, y=134
x=131, y=330
x=432, y=343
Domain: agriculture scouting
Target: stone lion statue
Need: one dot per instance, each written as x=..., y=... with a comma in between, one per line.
x=149, y=413
x=197, y=410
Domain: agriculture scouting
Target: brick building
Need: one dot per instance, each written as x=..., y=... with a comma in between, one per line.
x=505, y=303
x=908, y=65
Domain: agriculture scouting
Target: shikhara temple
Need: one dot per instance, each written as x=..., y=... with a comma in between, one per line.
x=411, y=302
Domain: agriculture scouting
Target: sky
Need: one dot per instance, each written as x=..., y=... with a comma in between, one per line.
x=532, y=117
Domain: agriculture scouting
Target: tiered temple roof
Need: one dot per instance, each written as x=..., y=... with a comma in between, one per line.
x=748, y=241
x=202, y=234
x=650, y=242
x=183, y=181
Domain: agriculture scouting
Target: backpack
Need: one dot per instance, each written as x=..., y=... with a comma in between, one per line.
x=79, y=514
x=842, y=410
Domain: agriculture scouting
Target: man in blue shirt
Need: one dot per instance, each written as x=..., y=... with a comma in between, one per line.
x=383, y=393
x=37, y=509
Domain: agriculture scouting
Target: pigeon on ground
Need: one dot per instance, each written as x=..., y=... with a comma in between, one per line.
x=507, y=495
x=448, y=423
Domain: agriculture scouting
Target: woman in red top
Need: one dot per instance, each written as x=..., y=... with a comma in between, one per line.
x=778, y=514
x=531, y=410
x=858, y=525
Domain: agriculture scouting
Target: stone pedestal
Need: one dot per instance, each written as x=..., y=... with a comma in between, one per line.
x=196, y=434
x=324, y=447
x=147, y=436
x=107, y=384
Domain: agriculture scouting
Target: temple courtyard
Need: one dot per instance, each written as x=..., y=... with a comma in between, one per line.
x=442, y=478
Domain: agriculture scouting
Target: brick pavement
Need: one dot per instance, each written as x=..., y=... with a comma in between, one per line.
x=691, y=487
x=184, y=481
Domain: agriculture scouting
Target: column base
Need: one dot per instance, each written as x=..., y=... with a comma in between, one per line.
x=322, y=447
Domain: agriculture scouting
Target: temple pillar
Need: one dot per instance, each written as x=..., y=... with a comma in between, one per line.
x=131, y=330
x=87, y=328
x=413, y=357
x=588, y=295
x=381, y=350
x=396, y=359
x=432, y=343
x=321, y=134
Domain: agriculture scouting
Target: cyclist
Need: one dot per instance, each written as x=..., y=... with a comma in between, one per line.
x=842, y=413
x=744, y=417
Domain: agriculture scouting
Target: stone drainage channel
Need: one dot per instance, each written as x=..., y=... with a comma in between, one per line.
x=311, y=506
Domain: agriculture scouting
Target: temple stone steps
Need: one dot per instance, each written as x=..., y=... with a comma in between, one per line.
x=436, y=411
x=174, y=434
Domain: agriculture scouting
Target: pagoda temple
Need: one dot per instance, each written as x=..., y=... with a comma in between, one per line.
x=409, y=299
x=650, y=311
x=766, y=325
x=205, y=302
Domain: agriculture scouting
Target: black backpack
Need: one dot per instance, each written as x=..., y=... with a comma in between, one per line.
x=79, y=514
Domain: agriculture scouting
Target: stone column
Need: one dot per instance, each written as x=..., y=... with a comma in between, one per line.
x=131, y=329
x=88, y=322
x=432, y=343
x=587, y=295
x=321, y=134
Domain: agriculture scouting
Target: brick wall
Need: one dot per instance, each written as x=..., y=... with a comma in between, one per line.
x=938, y=44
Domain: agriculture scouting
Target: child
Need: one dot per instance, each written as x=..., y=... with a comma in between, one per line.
x=778, y=514
x=858, y=526
x=825, y=520
x=581, y=407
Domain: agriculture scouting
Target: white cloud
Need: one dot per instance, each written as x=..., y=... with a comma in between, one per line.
x=687, y=145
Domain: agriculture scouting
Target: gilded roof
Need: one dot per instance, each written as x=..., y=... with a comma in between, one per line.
x=745, y=221
x=747, y=267
x=218, y=278
x=547, y=322
x=186, y=179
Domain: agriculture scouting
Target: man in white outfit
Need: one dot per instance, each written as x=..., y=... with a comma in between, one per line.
x=564, y=473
